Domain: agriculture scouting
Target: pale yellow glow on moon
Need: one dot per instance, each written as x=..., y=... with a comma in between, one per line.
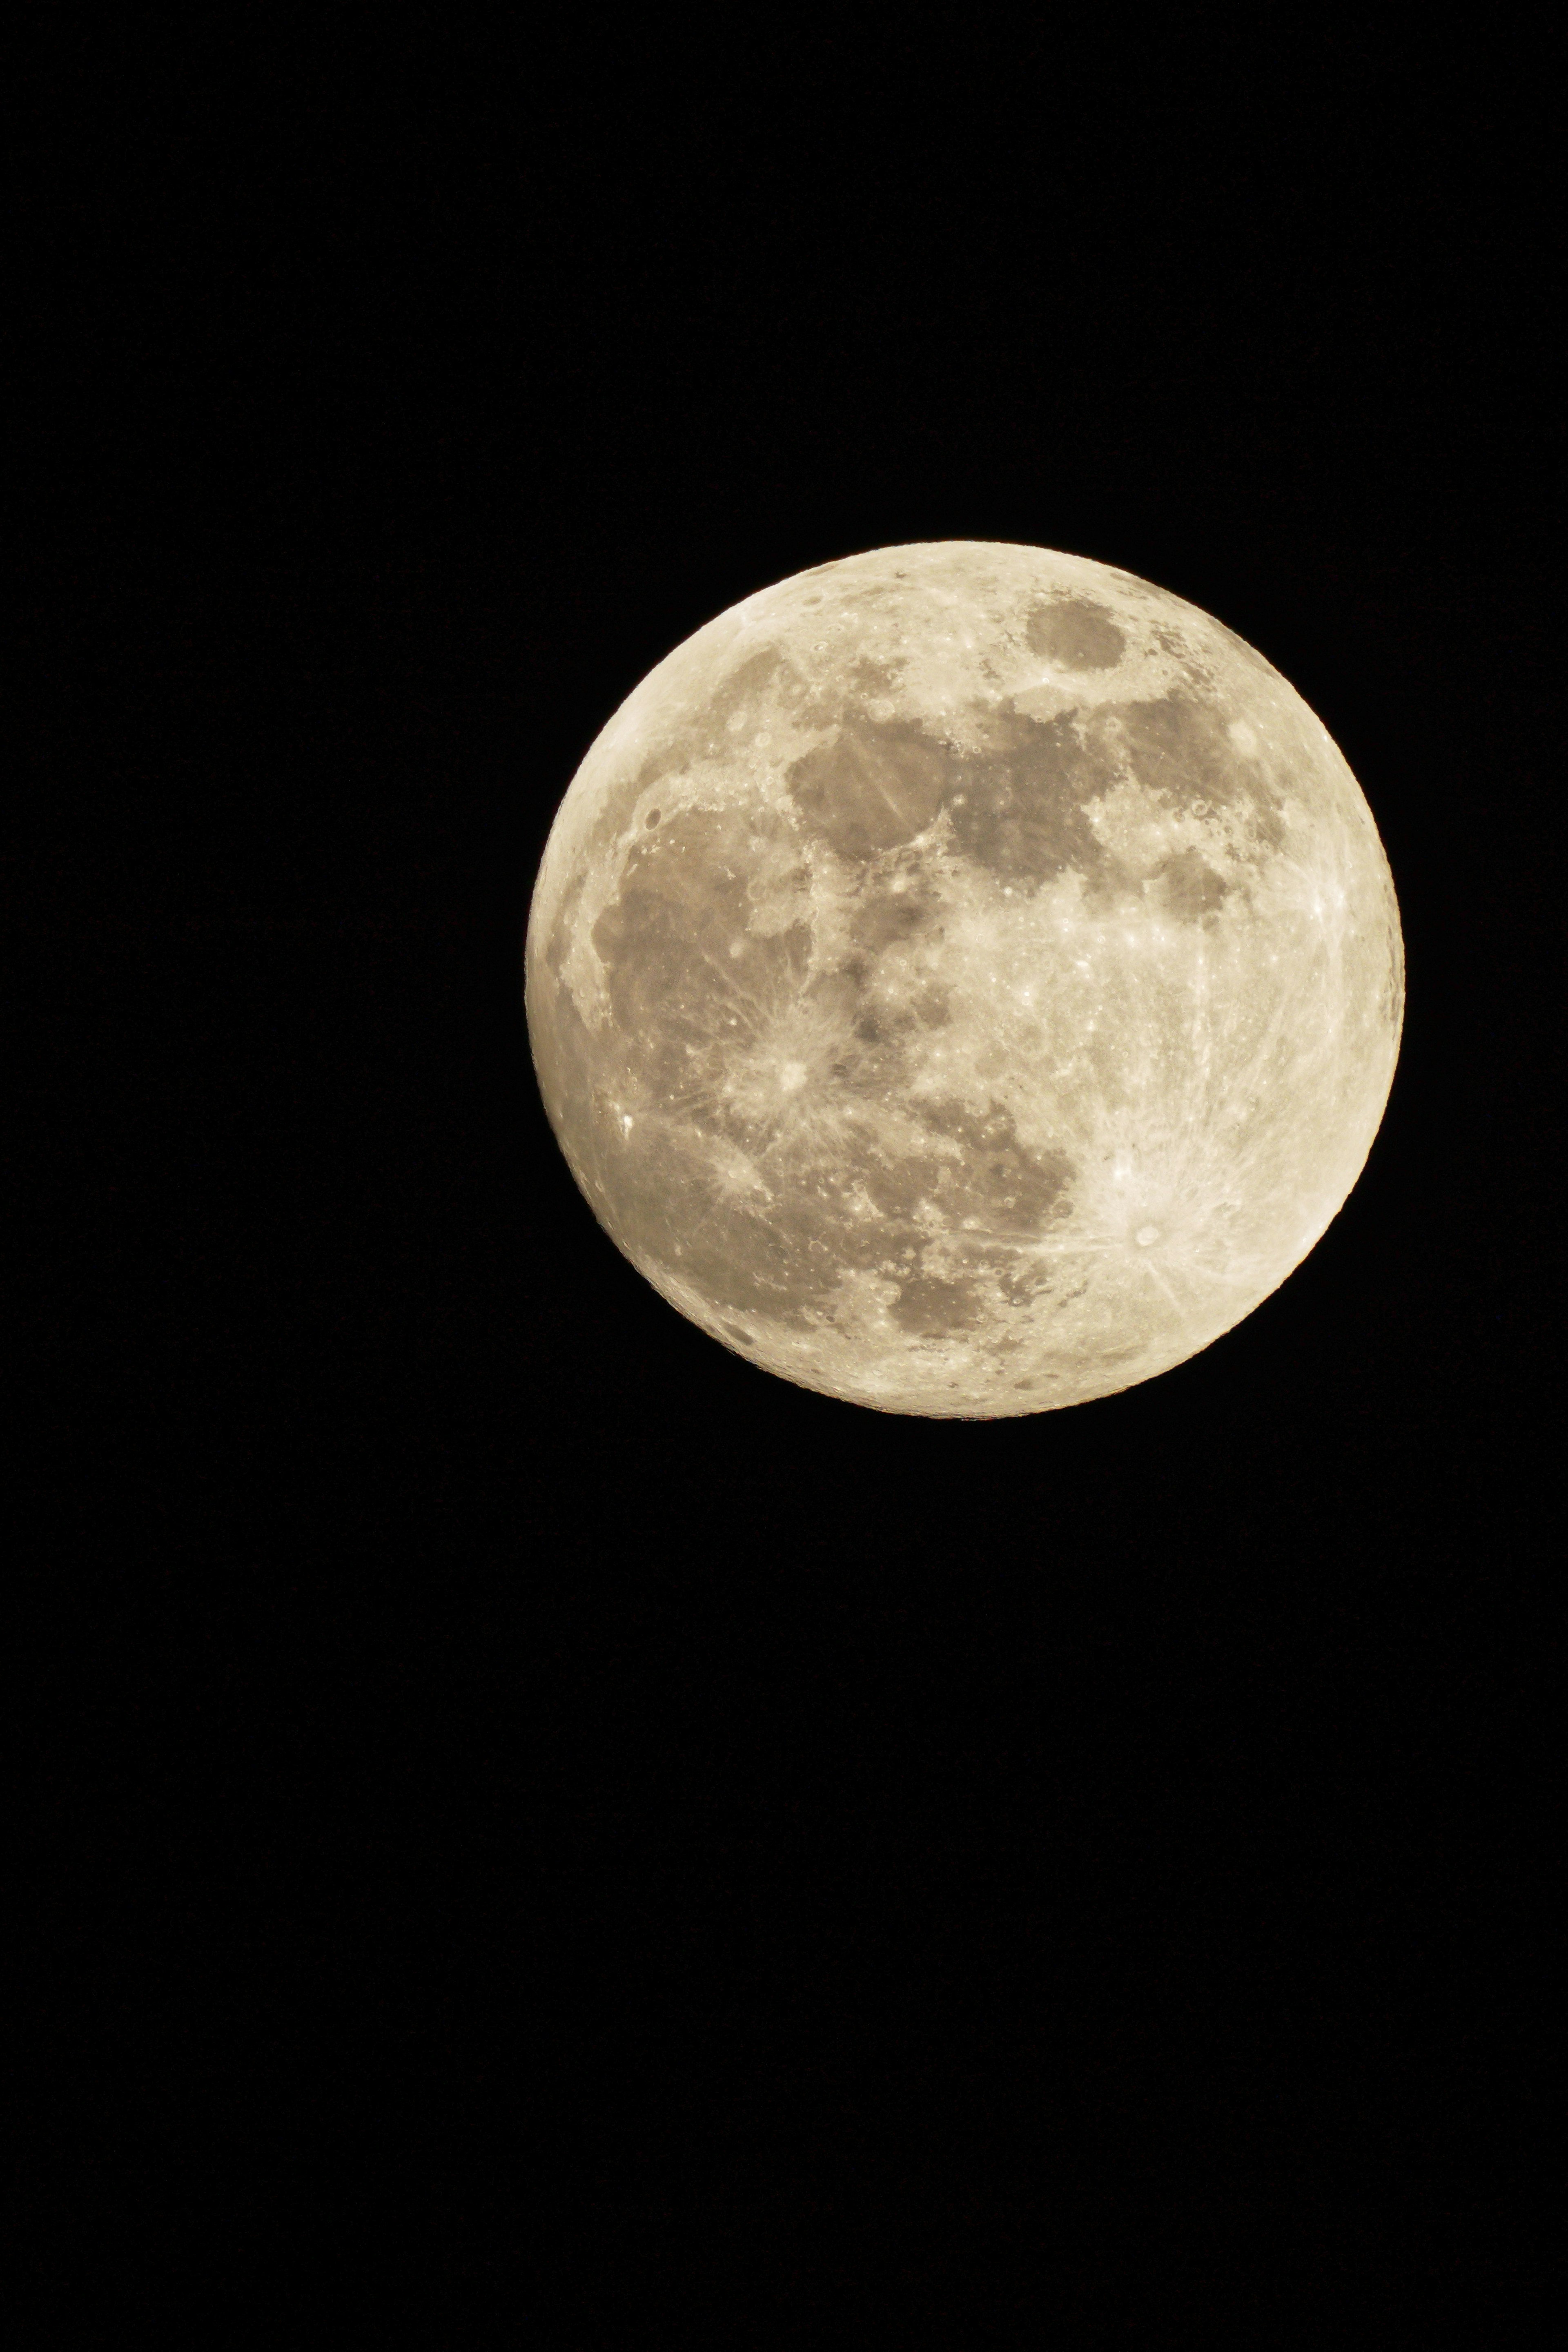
x=965, y=979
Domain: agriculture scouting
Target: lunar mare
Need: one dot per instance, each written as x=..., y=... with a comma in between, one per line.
x=965, y=979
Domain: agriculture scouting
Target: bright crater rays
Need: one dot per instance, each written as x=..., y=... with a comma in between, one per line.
x=965, y=979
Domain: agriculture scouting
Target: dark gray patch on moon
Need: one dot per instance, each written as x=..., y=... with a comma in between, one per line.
x=995, y=1177
x=889, y=910
x=1188, y=886
x=872, y=788
x=682, y=968
x=1021, y=811
x=1179, y=747
x=1075, y=635
x=1016, y=805
x=932, y=1304
x=873, y=677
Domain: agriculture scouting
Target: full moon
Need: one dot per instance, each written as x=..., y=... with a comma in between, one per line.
x=965, y=979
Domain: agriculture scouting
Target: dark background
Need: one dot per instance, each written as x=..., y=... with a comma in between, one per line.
x=529, y=1818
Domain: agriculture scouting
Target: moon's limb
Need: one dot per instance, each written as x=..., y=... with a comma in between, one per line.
x=965, y=979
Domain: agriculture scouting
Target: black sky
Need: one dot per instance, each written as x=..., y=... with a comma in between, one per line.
x=526, y=1808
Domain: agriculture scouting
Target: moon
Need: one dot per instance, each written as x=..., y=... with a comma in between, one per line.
x=965, y=979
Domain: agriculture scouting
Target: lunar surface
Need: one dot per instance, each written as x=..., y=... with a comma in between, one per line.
x=965, y=979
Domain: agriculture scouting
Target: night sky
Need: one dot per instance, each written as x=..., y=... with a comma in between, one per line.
x=523, y=1814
